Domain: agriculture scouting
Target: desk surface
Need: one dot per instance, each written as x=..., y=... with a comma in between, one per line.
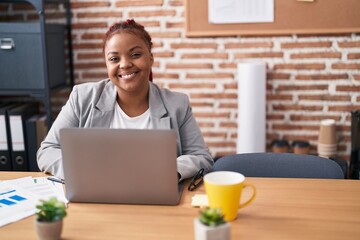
x=283, y=209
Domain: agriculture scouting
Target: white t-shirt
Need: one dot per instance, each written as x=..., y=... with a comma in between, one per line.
x=122, y=120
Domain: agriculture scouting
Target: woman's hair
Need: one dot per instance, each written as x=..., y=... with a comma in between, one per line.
x=129, y=26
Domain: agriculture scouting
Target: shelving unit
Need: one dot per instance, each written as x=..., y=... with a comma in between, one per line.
x=23, y=43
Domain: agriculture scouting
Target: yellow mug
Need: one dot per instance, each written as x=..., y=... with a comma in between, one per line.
x=224, y=189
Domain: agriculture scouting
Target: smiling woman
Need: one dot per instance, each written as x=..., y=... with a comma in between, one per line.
x=128, y=99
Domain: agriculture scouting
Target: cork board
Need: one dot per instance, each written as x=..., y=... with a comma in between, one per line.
x=291, y=17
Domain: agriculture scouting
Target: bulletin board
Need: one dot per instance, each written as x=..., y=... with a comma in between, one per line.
x=290, y=17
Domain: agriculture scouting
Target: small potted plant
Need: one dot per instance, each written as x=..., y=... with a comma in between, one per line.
x=211, y=225
x=49, y=221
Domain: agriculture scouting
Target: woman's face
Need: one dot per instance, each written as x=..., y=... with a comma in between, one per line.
x=128, y=62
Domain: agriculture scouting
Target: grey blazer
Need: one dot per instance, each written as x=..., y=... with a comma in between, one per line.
x=92, y=105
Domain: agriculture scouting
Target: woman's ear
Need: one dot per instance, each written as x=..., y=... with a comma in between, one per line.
x=151, y=58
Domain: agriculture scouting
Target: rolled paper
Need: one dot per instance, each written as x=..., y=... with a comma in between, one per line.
x=251, y=135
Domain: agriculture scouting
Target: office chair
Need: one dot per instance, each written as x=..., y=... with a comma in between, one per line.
x=280, y=165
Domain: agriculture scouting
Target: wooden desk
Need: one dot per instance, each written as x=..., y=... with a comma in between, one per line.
x=283, y=209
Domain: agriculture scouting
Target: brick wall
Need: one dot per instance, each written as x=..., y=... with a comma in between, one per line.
x=309, y=78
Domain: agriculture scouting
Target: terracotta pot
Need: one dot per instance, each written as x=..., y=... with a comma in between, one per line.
x=49, y=230
x=203, y=232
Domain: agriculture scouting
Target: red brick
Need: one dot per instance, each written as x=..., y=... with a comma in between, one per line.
x=222, y=144
x=202, y=104
x=192, y=85
x=294, y=127
x=166, y=75
x=306, y=117
x=228, y=125
x=325, y=44
x=321, y=76
x=233, y=85
x=259, y=55
x=277, y=76
x=324, y=97
x=347, y=88
x=89, y=25
x=133, y=3
x=205, y=124
x=175, y=25
x=149, y=23
x=210, y=75
x=275, y=117
x=248, y=45
x=228, y=65
x=215, y=134
x=97, y=4
x=205, y=55
x=296, y=107
x=353, y=56
x=105, y=14
x=301, y=87
x=165, y=34
x=346, y=108
x=316, y=55
x=357, y=77
x=193, y=45
x=300, y=66
x=176, y=3
x=354, y=66
x=166, y=54
x=215, y=95
x=189, y=66
x=351, y=44
x=277, y=96
x=228, y=105
x=156, y=13
x=93, y=36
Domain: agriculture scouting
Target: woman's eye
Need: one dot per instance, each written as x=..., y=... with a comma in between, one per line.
x=113, y=59
x=136, y=55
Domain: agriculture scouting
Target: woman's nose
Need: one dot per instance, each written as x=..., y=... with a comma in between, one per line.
x=125, y=63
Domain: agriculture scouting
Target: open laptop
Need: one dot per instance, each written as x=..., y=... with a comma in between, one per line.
x=127, y=166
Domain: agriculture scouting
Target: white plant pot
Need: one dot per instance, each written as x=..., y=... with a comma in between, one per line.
x=203, y=232
x=49, y=230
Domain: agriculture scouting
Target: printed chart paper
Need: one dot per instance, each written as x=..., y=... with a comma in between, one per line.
x=15, y=203
x=19, y=197
x=241, y=11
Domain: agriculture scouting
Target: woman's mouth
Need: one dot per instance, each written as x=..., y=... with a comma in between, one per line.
x=127, y=75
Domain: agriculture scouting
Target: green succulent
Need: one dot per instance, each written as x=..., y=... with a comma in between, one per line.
x=212, y=217
x=50, y=210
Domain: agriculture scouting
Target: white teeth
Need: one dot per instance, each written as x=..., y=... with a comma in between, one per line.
x=127, y=76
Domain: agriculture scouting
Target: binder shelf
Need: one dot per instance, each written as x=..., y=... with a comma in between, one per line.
x=33, y=55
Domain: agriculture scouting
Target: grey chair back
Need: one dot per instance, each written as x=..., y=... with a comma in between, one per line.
x=280, y=165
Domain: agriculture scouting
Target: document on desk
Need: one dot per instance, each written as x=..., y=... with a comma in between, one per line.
x=19, y=197
x=15, y=203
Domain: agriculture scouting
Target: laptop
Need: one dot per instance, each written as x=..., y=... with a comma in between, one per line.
x=127, y=166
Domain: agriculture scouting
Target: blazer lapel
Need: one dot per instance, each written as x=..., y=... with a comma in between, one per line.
x=159, y=114
x=104, y=110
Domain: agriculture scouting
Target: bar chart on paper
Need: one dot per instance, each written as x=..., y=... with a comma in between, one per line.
x=15, y=203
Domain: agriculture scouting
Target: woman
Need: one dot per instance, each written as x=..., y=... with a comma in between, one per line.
x=128, y=99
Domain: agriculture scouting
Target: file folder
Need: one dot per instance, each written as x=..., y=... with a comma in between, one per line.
x=17, y=120
x=5, y=137
x=36, y=130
